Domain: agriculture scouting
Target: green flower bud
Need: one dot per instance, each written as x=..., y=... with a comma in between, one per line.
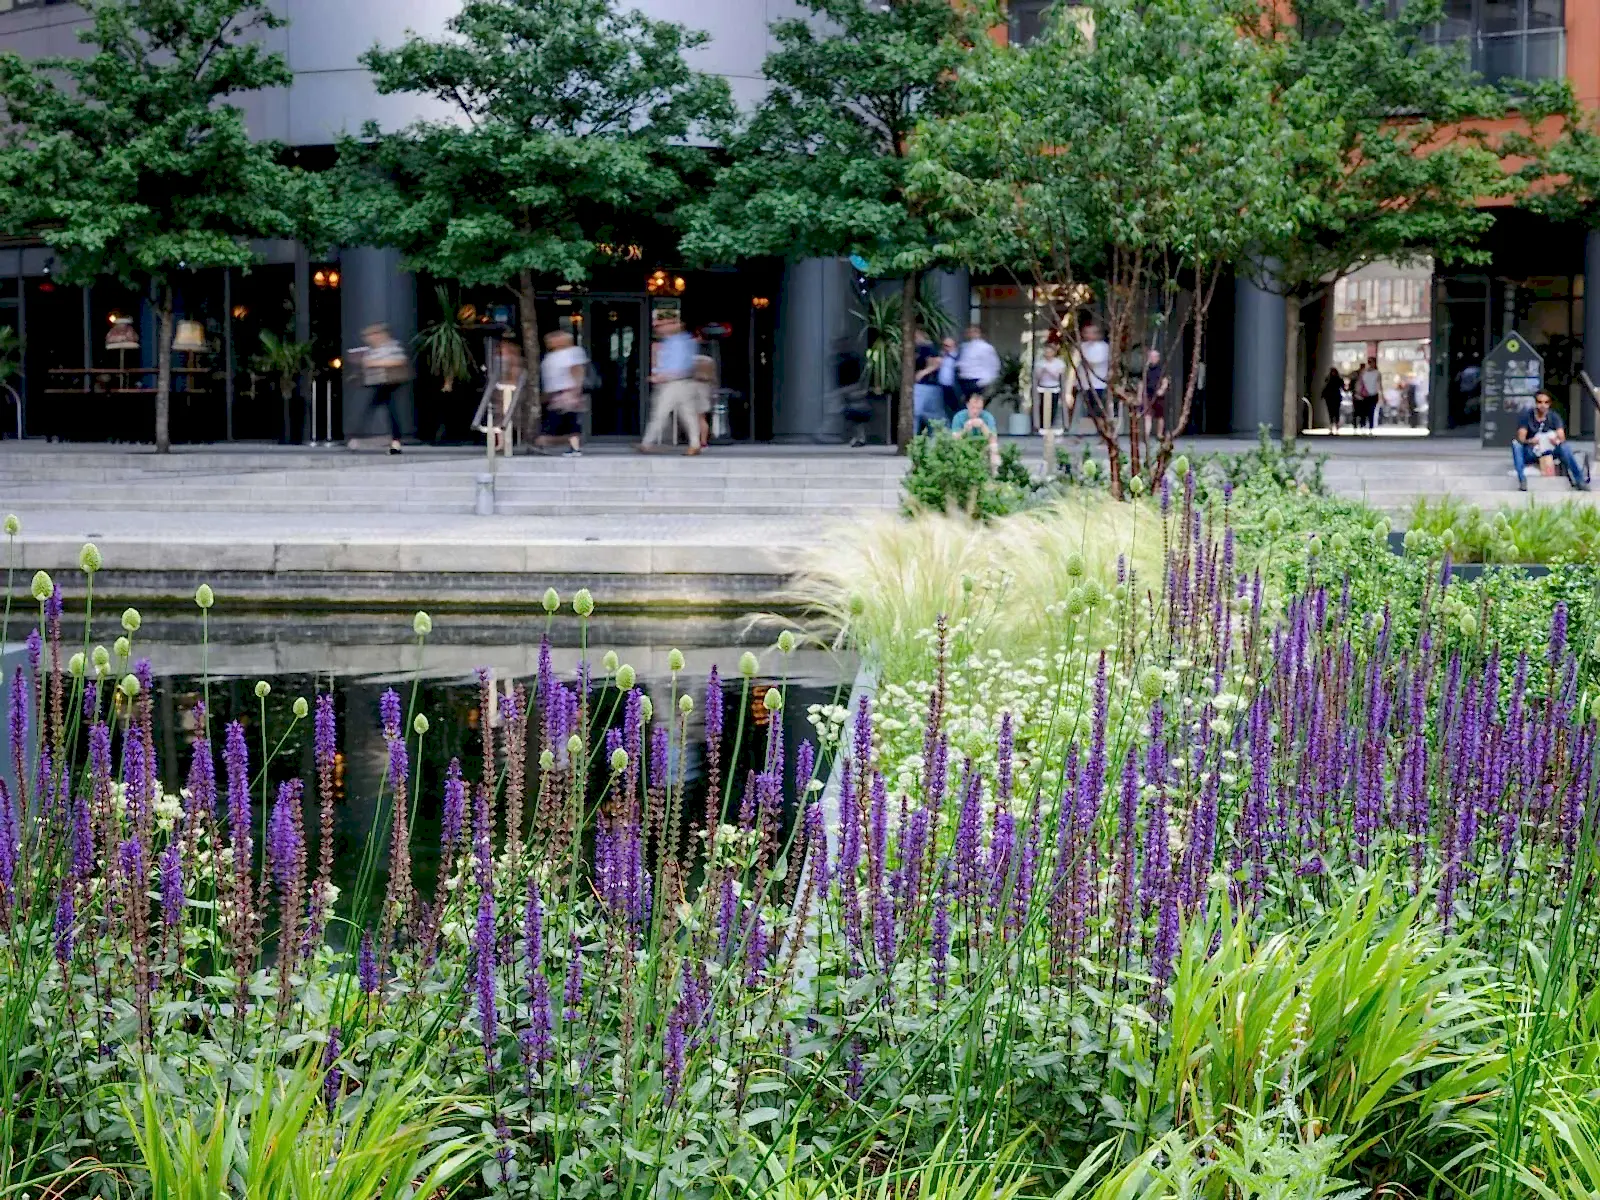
x=1411, y=540
x=43, y=585
x=101, y=657
x=686, y=704
x=1273, y=520
x=786, y=642
x=619, y=760
x=552, y=601
x=773, y=700
x=300, y=708
x=1469, y=624
x=1091, y=469
x=75, y=665
x=1314, y=544
x=204, y=596
x=131, y=620
x=1180, y=467
x=674, y=659
x=1151, y=682
x=129, y=686
x=263, y=689
x=13, y=525
x=748, y=665
x=1094, y=593
x=625, y=677
x=1380, y=531
x=122, y=647
x=422, y=624
x=89, y=558
x=647, y=708
x=574, y=746
x=1076, y=567
x=967, y=584
x=610, y=662
x=420, y=724
x=583, y=603
x=547, y=760
x=1339, y=542
x=1076, y=603
x=1136, y=486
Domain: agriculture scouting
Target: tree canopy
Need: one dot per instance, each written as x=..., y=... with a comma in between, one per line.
x=822, y=167
x=570, y=123
x=130, y=162
x=1136, y=156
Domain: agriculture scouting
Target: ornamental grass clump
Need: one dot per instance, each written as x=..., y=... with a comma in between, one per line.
x=1240, y=883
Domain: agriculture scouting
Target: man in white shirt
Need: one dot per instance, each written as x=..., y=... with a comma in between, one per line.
x=561, y=375
x=977, y=364
x=1091, y=371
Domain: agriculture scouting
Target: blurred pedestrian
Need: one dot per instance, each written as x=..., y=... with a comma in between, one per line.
x=1048, y=374
x=673, y=397
x=1091, y=374
x=385, y=368
x=927, y=395
x=561, y=375
x=948, y=355
x=1366, y=392
x=1333, y=396
x=977, y=364
x=1153, y=390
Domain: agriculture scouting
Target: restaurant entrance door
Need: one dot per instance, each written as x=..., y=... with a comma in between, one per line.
x=611, y=329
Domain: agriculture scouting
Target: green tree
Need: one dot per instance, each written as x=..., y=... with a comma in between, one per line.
x=573, y=123
x=1131, y=157
x=130, y=162
x=1389, y=166
x=822, y=168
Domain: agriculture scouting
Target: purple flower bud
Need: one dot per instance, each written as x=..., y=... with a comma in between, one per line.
x=172, y=898
x=453, y=816
x=672, y=1048
x=332, y=1076
x=389, y=713
x=367, y=966
x=483, y=958
x=10, y=844
x=325, y=739
x=572, y=991
x=66, y=922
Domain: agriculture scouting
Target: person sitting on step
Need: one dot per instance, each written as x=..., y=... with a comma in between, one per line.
x=1542, y=434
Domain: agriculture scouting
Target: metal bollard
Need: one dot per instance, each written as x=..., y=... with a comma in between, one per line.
x=484, y=505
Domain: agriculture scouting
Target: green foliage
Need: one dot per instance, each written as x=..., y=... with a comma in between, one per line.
x=1564, y=532
x=883, y=324
x=284, y=359
x=442, y=347
x=1367, y=186
x=1179, y=180
x=130, y=161
x=950, y=473
x=822, y=169
x=572, y=124
x=10, y=353
x=279, y=1140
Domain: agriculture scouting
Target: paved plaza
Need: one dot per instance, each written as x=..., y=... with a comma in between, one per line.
x=282, y=524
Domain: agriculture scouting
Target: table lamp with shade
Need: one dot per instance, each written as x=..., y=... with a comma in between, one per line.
x=122, y=337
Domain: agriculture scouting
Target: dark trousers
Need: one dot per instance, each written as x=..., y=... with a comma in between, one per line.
x=1522, y=455
x=383, y=394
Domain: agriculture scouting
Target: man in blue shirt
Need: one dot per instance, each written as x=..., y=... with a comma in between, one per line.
x=673, y=387
x=1541, y=433
x=976, y=421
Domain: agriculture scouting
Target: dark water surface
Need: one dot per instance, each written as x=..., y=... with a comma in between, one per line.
x=357, y=657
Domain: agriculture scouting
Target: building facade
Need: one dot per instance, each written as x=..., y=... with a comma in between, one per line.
x=788, y=338
x=783, y=334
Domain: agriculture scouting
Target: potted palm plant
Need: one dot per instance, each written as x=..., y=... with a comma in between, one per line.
x=284, y=359
x=441, y=346
x=10, y=367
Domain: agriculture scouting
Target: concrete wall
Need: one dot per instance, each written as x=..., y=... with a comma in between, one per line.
x=333, y=94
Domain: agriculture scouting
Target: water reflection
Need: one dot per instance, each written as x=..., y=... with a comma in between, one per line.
x=357, y=658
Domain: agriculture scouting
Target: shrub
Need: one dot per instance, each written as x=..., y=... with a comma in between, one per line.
x=951, y=474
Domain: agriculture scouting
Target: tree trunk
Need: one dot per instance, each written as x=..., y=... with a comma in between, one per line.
x=1291, y=367
x=906, y=426
x=164, y=371
x=529, y=321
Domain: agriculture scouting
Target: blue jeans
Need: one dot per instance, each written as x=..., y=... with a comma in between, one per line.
x=1522, y=455
x=929, y=405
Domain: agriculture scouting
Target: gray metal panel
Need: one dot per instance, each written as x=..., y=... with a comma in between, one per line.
x=1257, y=358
